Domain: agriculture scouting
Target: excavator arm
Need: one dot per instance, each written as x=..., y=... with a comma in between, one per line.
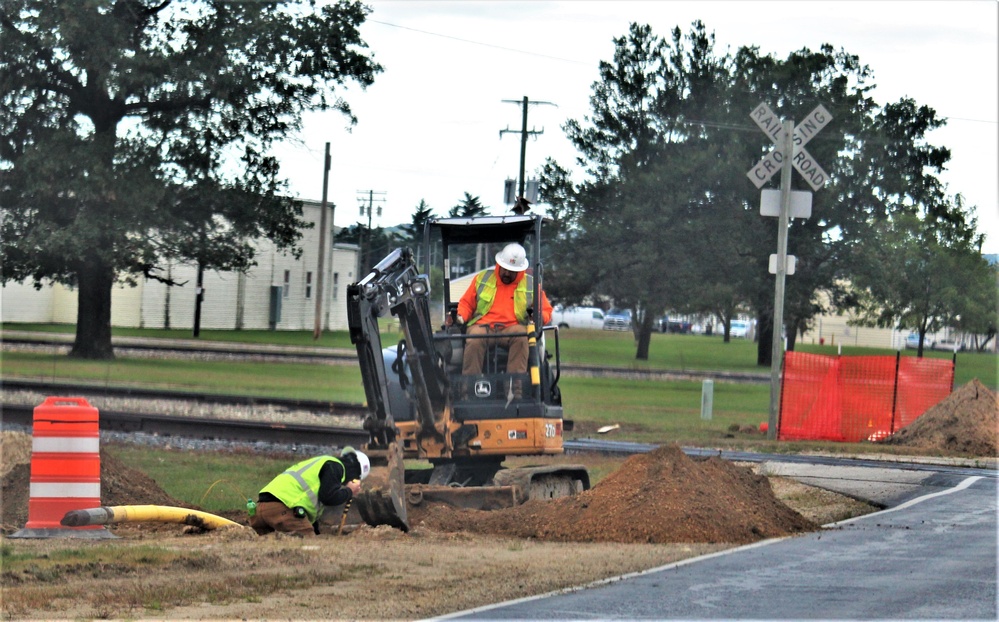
x=394, y=286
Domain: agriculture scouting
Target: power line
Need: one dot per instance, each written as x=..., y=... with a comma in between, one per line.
x=488, y=45
x=567, y=60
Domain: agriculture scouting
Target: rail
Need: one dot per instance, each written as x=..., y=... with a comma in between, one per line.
x=208, y=428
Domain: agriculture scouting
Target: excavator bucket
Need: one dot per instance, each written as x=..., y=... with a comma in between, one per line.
x=382, y=499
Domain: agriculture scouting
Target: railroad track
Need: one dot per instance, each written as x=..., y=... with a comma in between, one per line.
x=209, y=428
x=187, y=426
x=62, y=388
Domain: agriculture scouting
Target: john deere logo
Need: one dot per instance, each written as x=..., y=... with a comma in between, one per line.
x=483, y=388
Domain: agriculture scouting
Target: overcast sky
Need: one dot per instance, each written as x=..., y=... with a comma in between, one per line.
x=429, y=127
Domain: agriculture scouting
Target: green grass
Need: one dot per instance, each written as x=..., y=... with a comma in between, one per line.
x=701, y=353
x=328, y=339
x=659, y=412
x=682, y=352
x=213, y=481
x=340, y=383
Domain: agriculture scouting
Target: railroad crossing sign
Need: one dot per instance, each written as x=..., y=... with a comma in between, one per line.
x=789, y=151
x=805, y=164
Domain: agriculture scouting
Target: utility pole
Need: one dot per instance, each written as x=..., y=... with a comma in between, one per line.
x=520, y=206
x=364, y=259
x=323, y=226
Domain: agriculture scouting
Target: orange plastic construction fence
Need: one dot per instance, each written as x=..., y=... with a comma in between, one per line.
x=857, y=398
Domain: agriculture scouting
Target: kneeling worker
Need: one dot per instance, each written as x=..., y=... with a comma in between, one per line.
x=294, y=500
x=496, y=303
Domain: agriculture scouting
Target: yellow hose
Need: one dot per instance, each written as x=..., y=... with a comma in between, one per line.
x=106, y=515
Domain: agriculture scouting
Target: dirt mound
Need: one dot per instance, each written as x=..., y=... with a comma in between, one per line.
x=965, y=422
x=659, y=497
x=120, y=484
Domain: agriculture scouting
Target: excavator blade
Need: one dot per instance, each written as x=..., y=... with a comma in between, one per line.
x=382, y=500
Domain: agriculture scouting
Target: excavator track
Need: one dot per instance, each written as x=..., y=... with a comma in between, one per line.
x=382, y=500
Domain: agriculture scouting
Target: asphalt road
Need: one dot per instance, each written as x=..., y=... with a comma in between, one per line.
x=930, y=556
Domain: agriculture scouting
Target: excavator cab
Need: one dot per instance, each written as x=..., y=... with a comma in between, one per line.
x=464, y=247
x=421, y=405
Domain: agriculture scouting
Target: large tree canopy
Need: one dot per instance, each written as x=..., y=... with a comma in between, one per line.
x=137, y=131
x=666, y=219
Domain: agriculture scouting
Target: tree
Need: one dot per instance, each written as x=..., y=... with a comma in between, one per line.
x=421, y=216
x=793, y=86
x=375, y=243
x=469, y=207
x=134, y=132
x=623, y=229
x=975, y=313
x=472, y=258
x=922, y=273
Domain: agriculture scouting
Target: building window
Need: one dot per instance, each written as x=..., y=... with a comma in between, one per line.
x=336, y=282
x=308, y=285
x=286, y=288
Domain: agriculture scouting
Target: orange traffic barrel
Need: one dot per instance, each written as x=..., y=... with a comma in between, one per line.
x=65, y=468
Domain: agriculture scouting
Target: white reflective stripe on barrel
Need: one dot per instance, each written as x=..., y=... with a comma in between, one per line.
x=68, y=444
x=49, y=490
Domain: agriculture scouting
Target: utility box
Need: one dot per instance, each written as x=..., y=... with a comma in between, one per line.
x=510, y=191
x=274, y=315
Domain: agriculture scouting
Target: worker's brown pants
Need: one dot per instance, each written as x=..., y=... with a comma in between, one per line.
x=276, y=516
x=513, y=337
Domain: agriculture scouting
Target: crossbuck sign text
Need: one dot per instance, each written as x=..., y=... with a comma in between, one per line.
x=802, y=161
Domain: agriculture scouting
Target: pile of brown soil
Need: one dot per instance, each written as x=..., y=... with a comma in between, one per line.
x=659, y=497
x=120, y=484
x=964, y=422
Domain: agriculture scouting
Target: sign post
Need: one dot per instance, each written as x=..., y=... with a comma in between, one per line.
x=789, y=152
x=776, y=343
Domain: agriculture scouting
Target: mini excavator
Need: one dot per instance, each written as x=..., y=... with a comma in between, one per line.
x=459, y=429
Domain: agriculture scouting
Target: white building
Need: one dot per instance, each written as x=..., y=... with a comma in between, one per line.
x=279, y=288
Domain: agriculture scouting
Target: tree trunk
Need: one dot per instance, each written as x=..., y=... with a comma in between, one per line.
x=93, y=314
x=792, y=334
x=644, y=337
x=764, y=343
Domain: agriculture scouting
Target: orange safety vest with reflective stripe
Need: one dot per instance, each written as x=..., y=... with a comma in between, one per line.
x=485, y=294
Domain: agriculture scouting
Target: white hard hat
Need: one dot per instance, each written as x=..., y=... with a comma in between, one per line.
x=512, y=257
x=362, y=460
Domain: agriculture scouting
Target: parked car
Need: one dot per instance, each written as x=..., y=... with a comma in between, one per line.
x=739, y=328
x=578, y=317
x=948, y=345
x=617, y=319
x=912, y=342
x=666, y=325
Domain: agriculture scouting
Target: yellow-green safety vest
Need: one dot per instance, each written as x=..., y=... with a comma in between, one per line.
x=485, y=293
x=298, y=486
